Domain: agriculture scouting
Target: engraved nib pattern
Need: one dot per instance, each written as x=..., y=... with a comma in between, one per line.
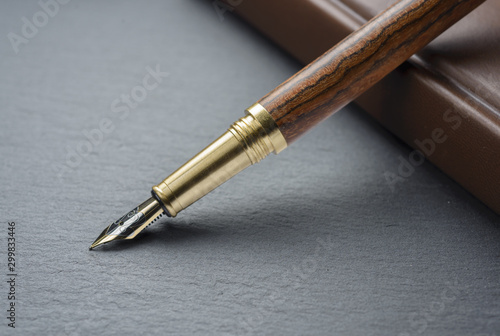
x=131, y=224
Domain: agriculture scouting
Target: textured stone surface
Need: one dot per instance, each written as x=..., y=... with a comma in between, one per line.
x=311, y=242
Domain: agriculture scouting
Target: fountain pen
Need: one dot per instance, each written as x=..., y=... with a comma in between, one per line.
x=314, y=93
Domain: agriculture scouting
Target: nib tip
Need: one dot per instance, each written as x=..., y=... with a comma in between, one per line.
x=129, y=225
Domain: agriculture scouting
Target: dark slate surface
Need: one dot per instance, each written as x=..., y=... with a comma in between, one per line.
x=310, y=242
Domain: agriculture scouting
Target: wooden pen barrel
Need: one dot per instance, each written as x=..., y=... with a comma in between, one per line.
x=359, y=61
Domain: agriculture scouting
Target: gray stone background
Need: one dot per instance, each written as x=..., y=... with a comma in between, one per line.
x=310, y=242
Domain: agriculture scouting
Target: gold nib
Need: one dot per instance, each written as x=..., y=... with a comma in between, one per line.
x=129, y=226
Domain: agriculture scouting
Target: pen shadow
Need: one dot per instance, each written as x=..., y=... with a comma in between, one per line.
x=291, y=220
x=163, y=233
x=283, y=221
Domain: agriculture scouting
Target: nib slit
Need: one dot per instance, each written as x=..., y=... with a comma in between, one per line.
x=131, y=224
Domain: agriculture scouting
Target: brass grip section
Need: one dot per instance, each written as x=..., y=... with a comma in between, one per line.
x=248, y=141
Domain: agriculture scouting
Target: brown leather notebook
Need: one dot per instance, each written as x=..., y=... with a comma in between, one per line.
x=444, y=101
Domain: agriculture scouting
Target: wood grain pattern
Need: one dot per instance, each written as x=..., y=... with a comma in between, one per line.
x=359, y=61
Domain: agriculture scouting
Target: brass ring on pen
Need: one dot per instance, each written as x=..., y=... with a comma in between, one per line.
x=248, y=141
